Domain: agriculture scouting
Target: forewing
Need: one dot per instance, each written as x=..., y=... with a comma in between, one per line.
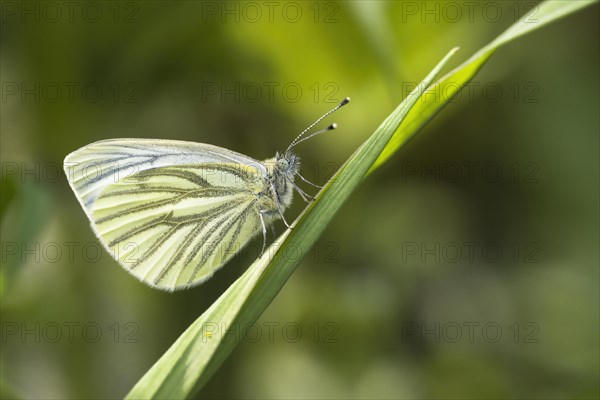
x=173, y=226
x=170, y=212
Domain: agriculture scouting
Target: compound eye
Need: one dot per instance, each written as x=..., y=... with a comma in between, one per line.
x=282, y=163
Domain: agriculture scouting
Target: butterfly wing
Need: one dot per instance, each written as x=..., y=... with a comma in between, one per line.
x=173, y=225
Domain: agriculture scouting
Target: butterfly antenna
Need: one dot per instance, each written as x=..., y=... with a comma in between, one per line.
x=332, y=126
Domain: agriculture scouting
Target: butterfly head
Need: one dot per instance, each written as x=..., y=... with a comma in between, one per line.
x=287, y=164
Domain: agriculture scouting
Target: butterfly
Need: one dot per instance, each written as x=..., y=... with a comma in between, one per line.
x=173, y=212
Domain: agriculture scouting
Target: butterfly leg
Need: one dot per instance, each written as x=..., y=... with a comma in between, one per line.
x=302, y=193
x=279, y=207
x=309, y=182
x=264, y=231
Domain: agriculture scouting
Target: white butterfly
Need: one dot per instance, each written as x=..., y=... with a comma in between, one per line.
x=173, y=212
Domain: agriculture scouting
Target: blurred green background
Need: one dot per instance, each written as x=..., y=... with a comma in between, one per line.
x=467, y=267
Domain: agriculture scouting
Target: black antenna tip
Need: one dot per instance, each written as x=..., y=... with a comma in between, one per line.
x=345, y=101
x=332, y=127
